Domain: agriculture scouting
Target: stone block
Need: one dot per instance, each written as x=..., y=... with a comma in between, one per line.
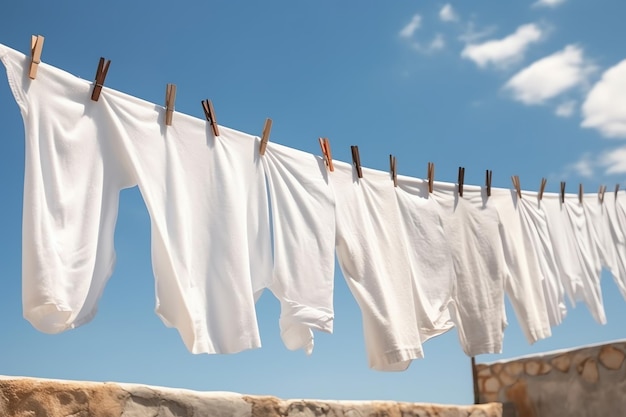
x=611, y=358
x=514, y=368
x=562, y=362
x=588, y=370
x=532, y=367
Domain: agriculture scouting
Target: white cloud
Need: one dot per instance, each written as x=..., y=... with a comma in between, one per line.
x=550, y=76
x=472, y=35
x=566, y=109
x=583, y=167
x=448, y=14
x=414, y=24
x=436, y=44
x=604, y=108
x=548, y=3
x=614, y=161
x=503, y=52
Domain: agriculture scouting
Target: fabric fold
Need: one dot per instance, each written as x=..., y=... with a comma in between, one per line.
x=303, y=218
x=372, y=256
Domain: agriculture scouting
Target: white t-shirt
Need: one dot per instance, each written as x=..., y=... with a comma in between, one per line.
x=575, y=252
x=73, y=176
x=472, y=227
x=374, y=261
x=429, y=255
x=206, y=197
x=303, y=218
x=524, y=286
x=618, y=227
x=535, y=226
x=608, y=234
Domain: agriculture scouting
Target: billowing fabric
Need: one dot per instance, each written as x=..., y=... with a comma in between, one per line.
x=303, y=218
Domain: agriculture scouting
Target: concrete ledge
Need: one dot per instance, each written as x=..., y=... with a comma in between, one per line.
x=29, y=397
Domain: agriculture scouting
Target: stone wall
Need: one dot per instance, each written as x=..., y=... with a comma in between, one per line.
x=589, y=381
x=26, y=397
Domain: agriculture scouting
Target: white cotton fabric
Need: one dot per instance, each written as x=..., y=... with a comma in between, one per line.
x=206, y=196
x=303, y=218
x=536, y=230
x=207, y=199
x=608, y=234
x=618, y=227
x=472, y=227
x=524, y=286
x=575, y=252
x=73, y=176
x=429, y=255
x=373, y=258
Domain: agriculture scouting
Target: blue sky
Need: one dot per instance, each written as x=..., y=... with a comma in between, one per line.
x=526, y=88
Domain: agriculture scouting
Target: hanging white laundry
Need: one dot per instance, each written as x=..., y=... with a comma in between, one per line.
x=429, y=255
x=472, y=227
x=303, y=218
x=524, y=286
x=608, y=234
x=372, y=256
x=206, y=197
x=535, y=226
x=618, y=231
x=575, y=252
x=73, y=176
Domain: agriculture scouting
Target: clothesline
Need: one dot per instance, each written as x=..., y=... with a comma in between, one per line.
x=419, y=258
x=37, y=42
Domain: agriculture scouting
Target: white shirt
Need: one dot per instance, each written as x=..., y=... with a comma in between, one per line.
x=73, y=176
x=472, y=227
x=303, y=217
x=372, y=255
x=429, y=255
x=524, y=286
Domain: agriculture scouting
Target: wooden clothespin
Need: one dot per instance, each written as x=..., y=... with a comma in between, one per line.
x=488, y=175
x=356, y=160
x=461, y=180
x=328, y=156
x=101, y=74
x=209, y=113
x=601, y=192
x=36, y=46
x=616, y=190
x=265, y=137
x=542, y=188
x=517, y=186
x=392, y=170
x=580, y=193
x=562, y=191
x=431, y=176
x=170, y=99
